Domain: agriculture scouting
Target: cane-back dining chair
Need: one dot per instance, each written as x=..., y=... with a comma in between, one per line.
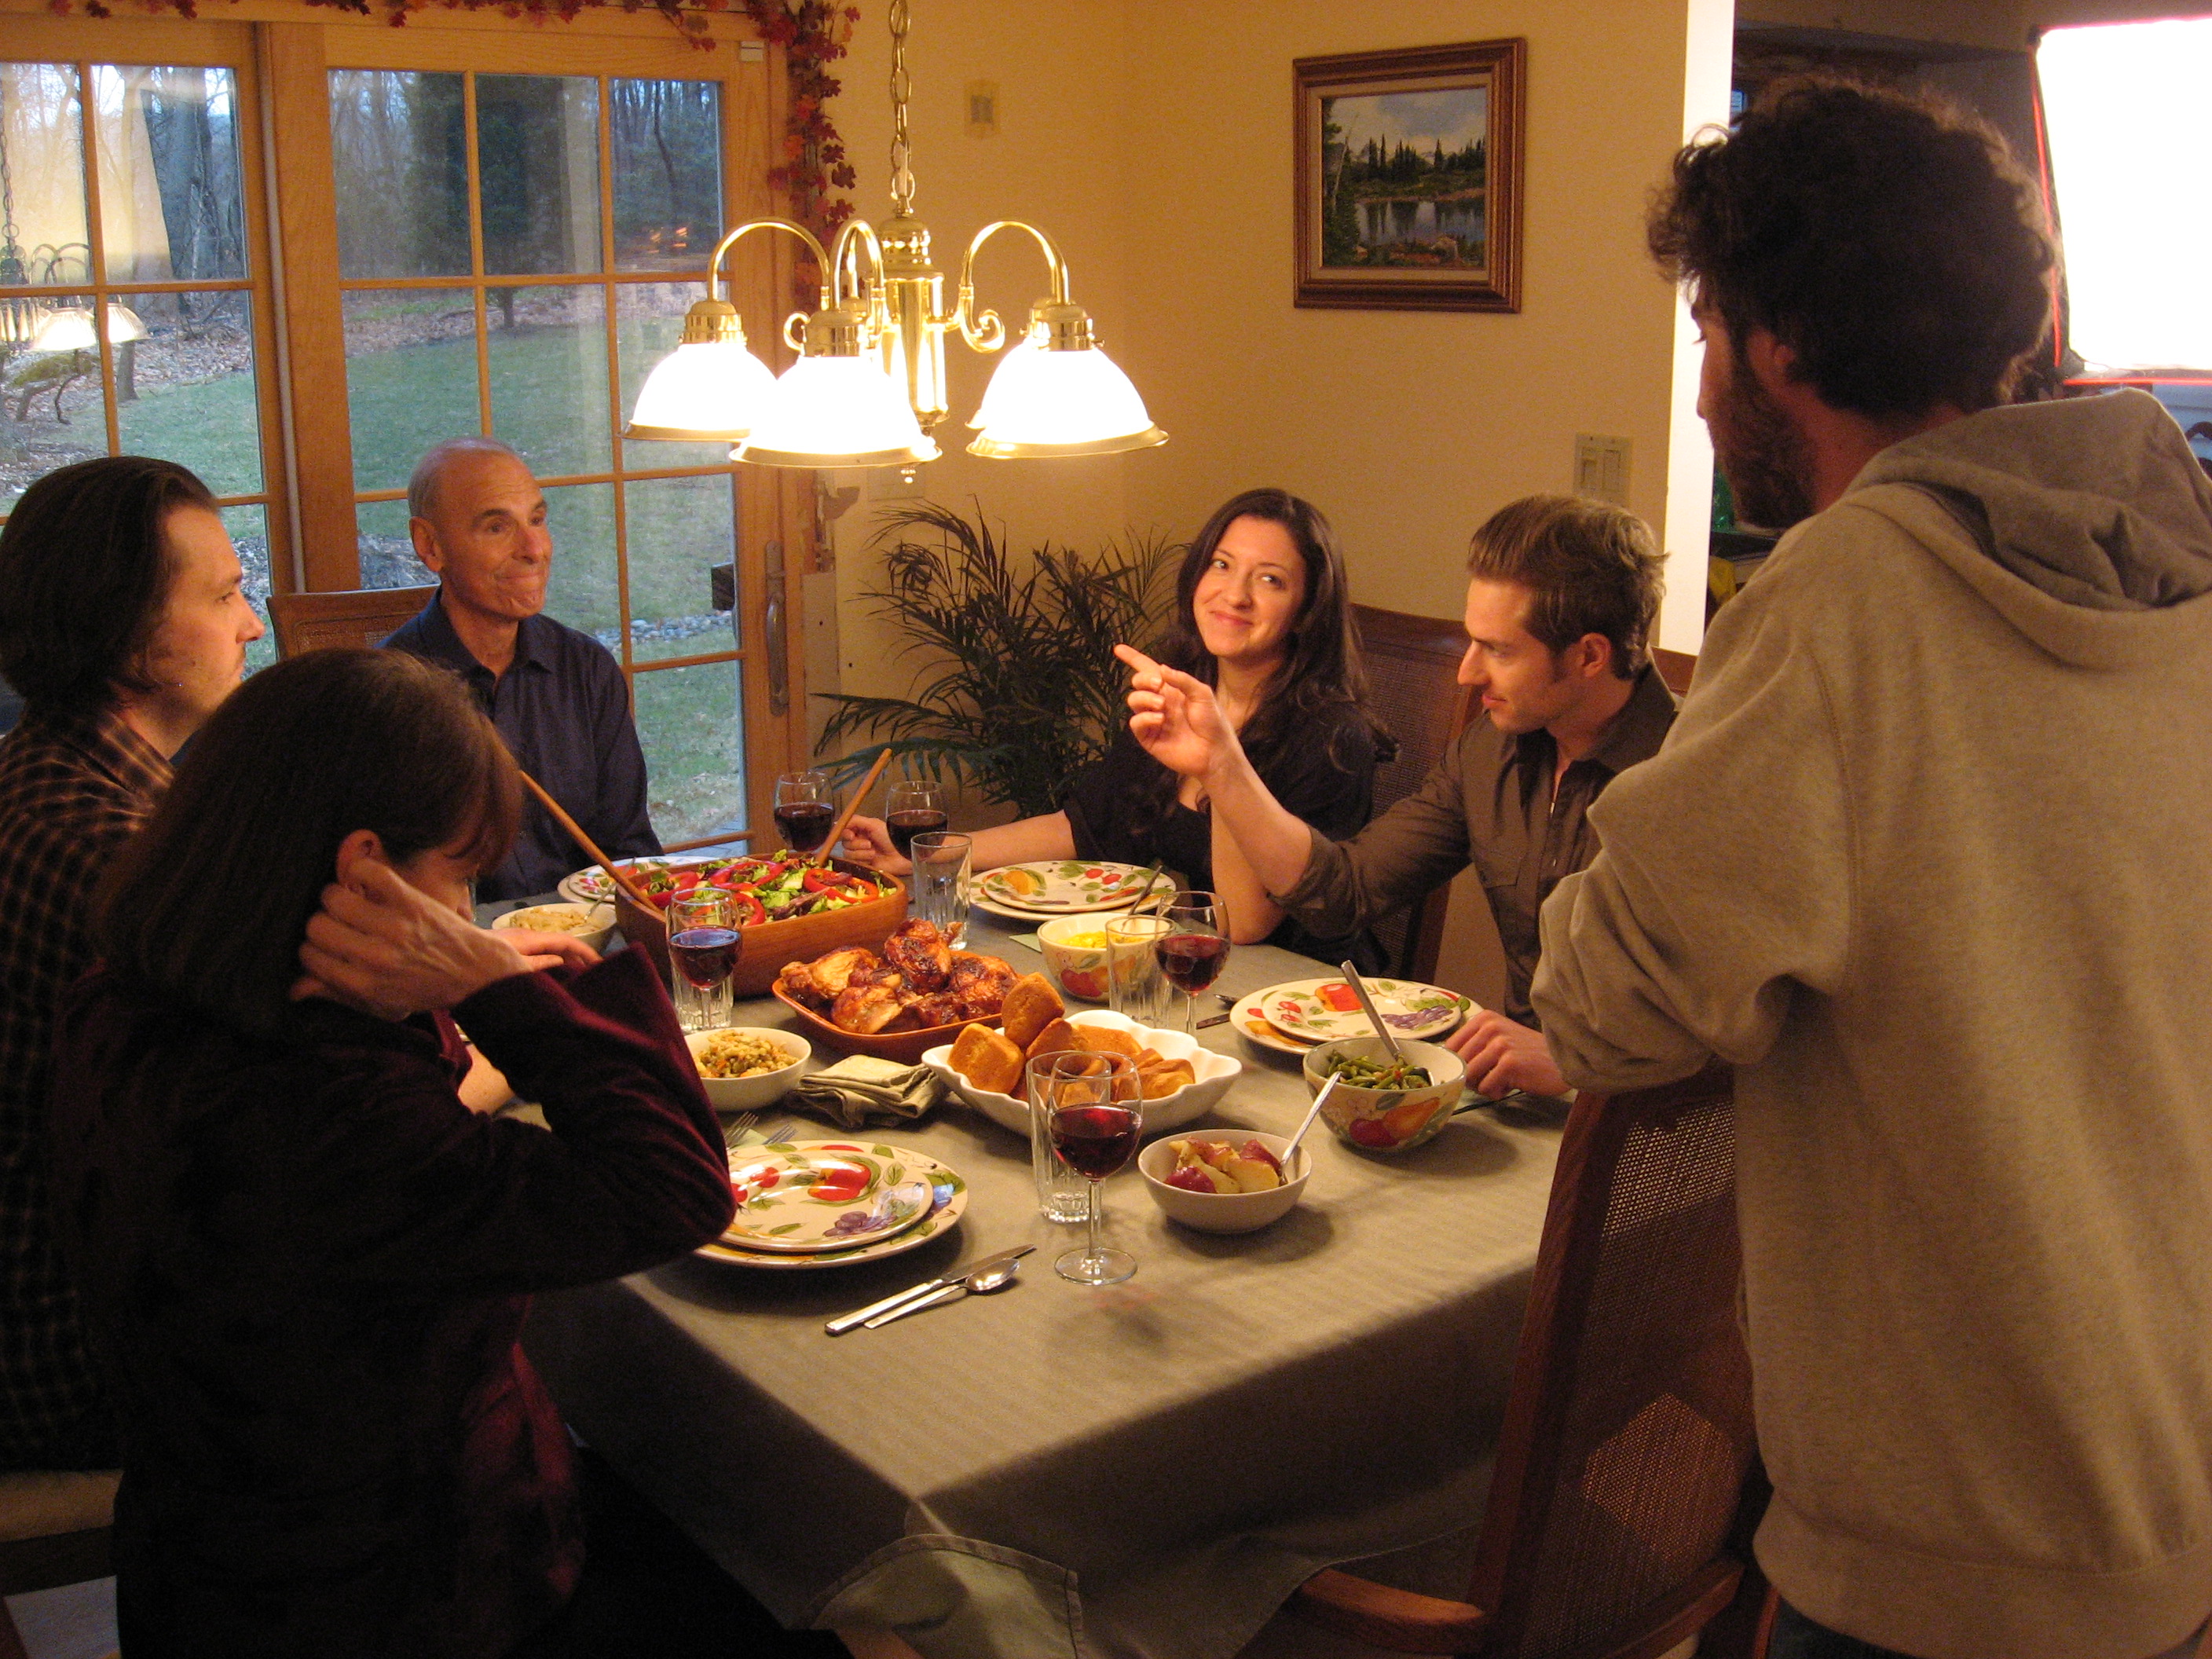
x=1412, y=669
x=1627, y=1432
x=55, y=1528
x=361, y=616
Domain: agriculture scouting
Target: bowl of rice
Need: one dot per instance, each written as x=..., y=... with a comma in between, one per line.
x=594, y=924
x=746, y=1067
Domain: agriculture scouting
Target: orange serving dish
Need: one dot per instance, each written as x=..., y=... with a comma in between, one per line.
x=906, y=1048
x=765, y=947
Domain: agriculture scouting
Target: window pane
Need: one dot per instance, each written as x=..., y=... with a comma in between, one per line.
x=249, y=534
x=387, y=551
x=399, y=143
x=679, y=529
x=666, y=137
x=51, y=409
x=548, y=354
x=538, y=156
x=44, y=239
x=185, y=392
x=648, y=326
x=410, y=378
x=692, y=722
x=581, y=592
x=170, y=205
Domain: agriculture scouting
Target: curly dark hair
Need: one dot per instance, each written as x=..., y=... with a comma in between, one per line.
x=1887, y=239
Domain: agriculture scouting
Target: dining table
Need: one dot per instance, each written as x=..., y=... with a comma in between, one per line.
x=1140, y=1471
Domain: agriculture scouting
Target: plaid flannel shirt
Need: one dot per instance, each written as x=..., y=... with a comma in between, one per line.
x=72, y=789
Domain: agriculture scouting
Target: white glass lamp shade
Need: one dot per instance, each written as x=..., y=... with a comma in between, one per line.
x=70, y=329
x=704, y=390
x=836, y=411
x=1044, y=402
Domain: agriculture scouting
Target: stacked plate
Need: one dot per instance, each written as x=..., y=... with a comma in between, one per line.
x=1293, y=1017
x=1059, y=887
x=812, y=1204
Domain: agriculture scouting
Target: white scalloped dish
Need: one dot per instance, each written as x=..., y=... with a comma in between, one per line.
x=1215, y=1072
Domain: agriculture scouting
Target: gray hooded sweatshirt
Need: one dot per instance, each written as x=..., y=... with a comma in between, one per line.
x=1927, y=857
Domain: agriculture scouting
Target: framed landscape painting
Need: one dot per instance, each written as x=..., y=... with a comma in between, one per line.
x=1408, y=177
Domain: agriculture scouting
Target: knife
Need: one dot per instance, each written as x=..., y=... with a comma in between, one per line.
x=838, y=1326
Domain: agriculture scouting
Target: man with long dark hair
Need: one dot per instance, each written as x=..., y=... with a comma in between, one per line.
x=1560, y=598
x=1926, y=860
x=123, y=625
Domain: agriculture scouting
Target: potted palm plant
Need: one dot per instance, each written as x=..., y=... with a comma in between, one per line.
x=1020, y=689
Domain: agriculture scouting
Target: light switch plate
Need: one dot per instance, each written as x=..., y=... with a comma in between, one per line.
x=982, y=102
x=1601, y=468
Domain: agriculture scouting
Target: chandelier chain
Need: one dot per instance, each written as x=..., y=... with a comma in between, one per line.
x=902, y=90
x=11, y=255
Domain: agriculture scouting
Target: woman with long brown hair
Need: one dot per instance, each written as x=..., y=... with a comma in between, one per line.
x=305, y=1262
x=1263, y=614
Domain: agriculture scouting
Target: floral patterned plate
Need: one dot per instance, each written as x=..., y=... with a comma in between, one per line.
x=948, y=1198
x=1061, y=887
x=822, y=1195
x=1322, y=1010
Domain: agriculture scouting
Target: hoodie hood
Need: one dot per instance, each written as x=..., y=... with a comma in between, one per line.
x=2096, y=502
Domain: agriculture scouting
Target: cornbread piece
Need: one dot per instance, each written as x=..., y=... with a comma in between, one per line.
x=987, y=1060
x=1163, y=1080
x=1031, y=1004
x=1056, y=1036
x=1106, y=1040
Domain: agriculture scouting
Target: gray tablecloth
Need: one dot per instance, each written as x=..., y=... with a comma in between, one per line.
x=1142, y=1470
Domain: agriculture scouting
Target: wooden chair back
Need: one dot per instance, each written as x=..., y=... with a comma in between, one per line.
x=1412, y=668
x=56, y=1528
x=1675, y=668
x=358, y=617
x=1627, y=1433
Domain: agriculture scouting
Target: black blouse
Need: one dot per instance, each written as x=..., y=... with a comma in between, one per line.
x=1326, y=777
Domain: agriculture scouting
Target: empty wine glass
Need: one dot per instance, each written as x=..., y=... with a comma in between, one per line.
x=1195, y=947
x=806, y=810
x=703, y=947
x=913, y=806
x=1095, y=1132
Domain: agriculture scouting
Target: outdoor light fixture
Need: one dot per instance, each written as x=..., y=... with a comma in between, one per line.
x=869, y=385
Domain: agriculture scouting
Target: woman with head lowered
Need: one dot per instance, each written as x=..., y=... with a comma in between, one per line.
x=1263, y=614
x=304, y=1262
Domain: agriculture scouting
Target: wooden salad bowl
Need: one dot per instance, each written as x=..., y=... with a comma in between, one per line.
x=763, y=947
x=905, y=1047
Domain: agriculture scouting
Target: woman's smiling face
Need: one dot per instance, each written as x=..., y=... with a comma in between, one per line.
x=1248, y=598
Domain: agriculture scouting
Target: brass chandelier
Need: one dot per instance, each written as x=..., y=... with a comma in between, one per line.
x=869, y=385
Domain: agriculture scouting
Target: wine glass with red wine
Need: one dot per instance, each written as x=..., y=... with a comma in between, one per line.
x=1195, y=947
x=806, y=810
x=1095, y=1124
x=703, y=947
x=915, y=806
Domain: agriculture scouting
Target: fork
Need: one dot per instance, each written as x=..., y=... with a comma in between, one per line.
x=734, y=1130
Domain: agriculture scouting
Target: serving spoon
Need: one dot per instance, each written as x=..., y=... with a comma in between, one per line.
x=1367, y=1006
x=991, y=1277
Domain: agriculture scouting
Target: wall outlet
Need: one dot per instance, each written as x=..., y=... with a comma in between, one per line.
x=982, y=100
x=1601, y=468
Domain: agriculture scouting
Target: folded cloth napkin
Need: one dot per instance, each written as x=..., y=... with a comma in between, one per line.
x=861, y=1088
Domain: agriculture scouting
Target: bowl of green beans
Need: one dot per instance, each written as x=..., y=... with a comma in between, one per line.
x=1382, y=1106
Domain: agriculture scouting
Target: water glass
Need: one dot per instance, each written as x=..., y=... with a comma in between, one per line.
x=1077, y=1078
x=1135, y=985
x=939, y=884
x=703, y=943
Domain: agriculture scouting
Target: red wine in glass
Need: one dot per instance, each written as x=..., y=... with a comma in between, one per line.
x=1192, y=961
x=704, y=955
x=1095, y=1140
x=912, y=820
x=805, y=823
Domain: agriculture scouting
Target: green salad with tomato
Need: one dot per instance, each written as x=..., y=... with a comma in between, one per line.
x=760, y=889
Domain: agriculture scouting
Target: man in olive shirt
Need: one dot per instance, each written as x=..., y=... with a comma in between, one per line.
x=1560, y=600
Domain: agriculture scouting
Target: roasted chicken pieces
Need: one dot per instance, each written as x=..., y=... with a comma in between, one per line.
x=917, y=982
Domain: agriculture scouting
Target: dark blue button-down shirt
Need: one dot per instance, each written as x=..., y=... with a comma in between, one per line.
x=564, y=711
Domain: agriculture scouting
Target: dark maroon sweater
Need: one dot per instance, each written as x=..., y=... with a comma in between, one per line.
x=305, y=1264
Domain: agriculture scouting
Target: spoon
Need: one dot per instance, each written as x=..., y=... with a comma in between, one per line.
x=991, y=1277
x=1290, y=1151
x=1367, y=1006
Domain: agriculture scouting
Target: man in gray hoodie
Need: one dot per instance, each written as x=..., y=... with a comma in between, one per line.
x=1927, y=858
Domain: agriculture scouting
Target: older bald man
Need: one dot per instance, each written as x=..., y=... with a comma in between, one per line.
x=557, y=696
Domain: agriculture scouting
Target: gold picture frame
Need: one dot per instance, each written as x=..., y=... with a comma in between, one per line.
x=1407, y=175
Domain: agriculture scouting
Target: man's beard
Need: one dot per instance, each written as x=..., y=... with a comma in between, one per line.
x=1762, y=454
